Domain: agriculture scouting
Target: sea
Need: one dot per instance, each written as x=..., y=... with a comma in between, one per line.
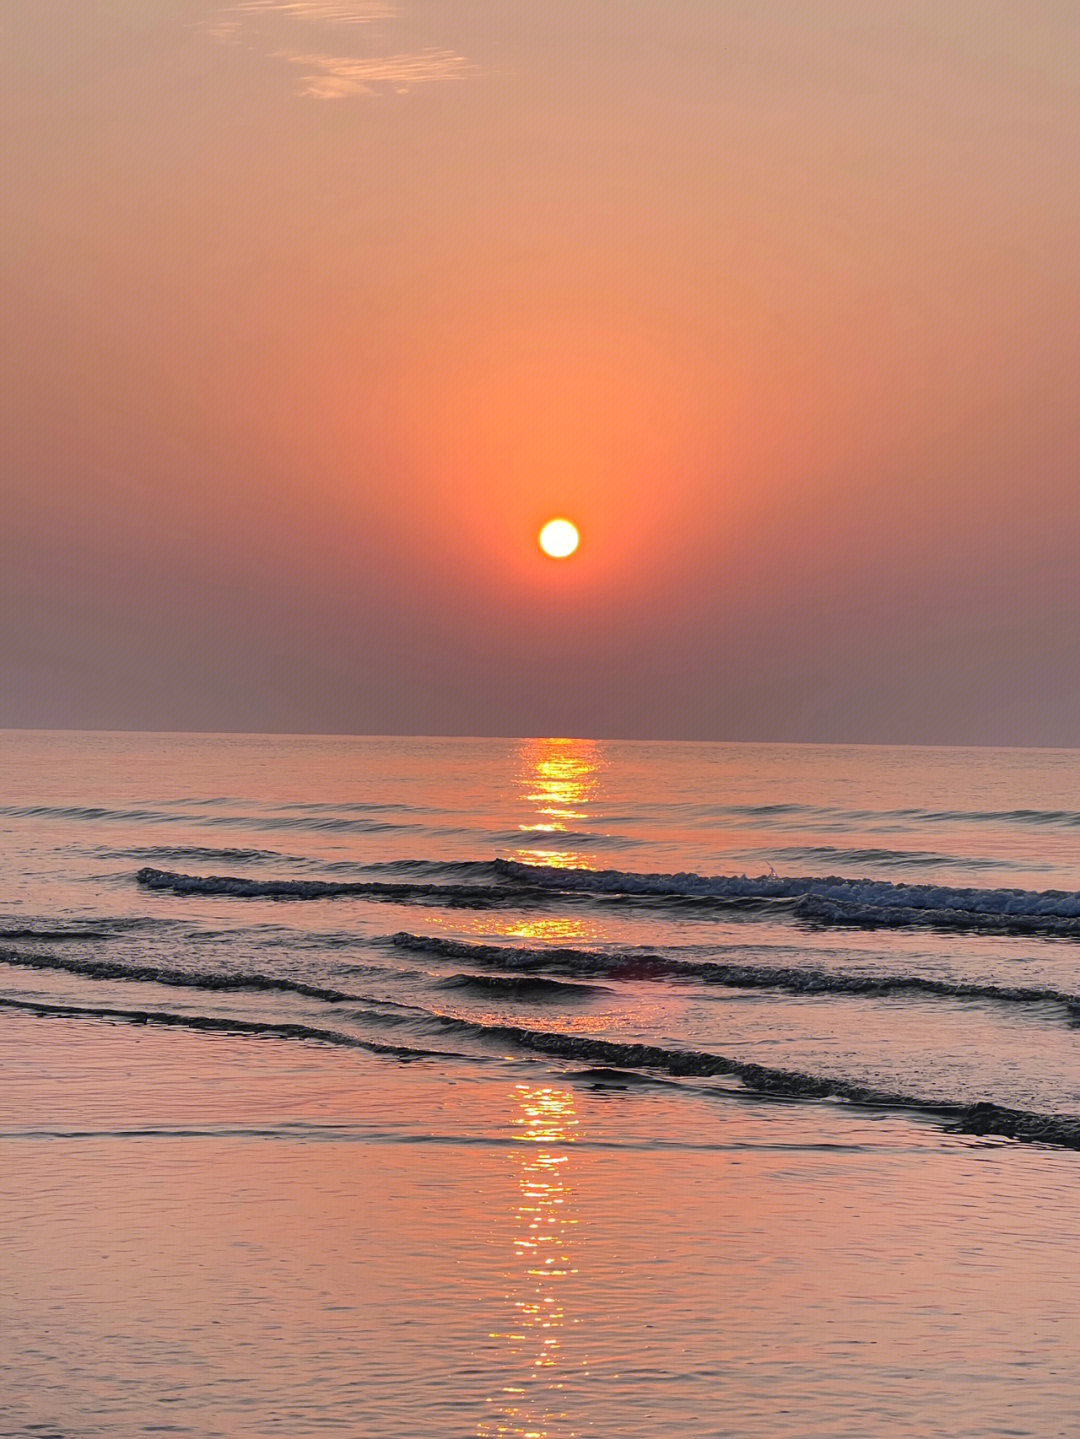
x=539, y=1087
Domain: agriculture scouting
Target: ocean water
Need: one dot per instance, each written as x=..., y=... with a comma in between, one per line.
x=536, y=1087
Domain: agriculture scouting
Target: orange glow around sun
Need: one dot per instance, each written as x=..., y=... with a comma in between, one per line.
x=559, y=539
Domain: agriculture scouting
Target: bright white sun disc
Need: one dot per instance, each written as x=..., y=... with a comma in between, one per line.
x=559, y=539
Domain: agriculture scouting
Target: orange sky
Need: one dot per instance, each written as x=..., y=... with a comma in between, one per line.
x=315, y=310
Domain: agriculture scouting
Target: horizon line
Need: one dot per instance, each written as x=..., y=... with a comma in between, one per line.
x=551, y=738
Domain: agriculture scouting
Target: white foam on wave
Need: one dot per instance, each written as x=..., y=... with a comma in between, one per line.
x=825, y=898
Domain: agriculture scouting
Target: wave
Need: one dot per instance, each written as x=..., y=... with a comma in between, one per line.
x=1068, y=818
x=198, y=852
x=1050, y=913
x=53, y=935
x=178, y=978
x=97, y=927
x=600, y=1076
x=827, y=900
x=548, y=838
x=643, y=965
x=520, y=986
x=823, y=900
x=350, y=824
x=85, y=811
x=629, y=1060
x=437, y=869
x=220, y=1024
x=330, y=823
x=403, y=891
x=529, y=970
x=754, y=811
x=898, y=858
x=363, y=817
x=356, y=807
x=981, y=1117
x=868, y=903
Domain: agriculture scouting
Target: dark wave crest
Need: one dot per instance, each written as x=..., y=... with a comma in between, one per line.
x=980, y=1118
x=55, y=936
x=220, y=1024
x=201, y=853
x=886, y=858
x=1064, y=818
x=640, y=965
x=521, y=986
x=611, y=1056
x=527, y=972
x=178, y=978
x=401, y=891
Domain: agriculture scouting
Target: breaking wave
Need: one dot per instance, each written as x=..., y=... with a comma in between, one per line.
x=826, y=900
x=868, y=903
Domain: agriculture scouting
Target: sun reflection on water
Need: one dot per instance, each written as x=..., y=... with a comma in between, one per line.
x=489, y=924
x=563, y=927
x=557, y=780
x=529, y=1406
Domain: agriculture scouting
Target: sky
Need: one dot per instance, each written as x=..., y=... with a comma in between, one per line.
x=315, y=310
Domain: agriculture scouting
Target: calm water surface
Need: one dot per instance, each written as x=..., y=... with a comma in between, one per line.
x=539, y=1087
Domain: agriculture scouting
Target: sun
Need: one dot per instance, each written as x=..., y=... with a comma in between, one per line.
x=559, y=539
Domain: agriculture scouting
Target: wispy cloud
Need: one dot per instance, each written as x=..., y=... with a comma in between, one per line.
x=331, y=77
x=280, y=28
x=337, y=12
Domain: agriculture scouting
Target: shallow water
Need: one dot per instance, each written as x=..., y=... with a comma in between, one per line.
x=536, y=1087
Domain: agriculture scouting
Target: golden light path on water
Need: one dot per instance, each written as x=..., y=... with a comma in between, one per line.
x=555, y=785
x=529, y=1406
x=558, y=781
